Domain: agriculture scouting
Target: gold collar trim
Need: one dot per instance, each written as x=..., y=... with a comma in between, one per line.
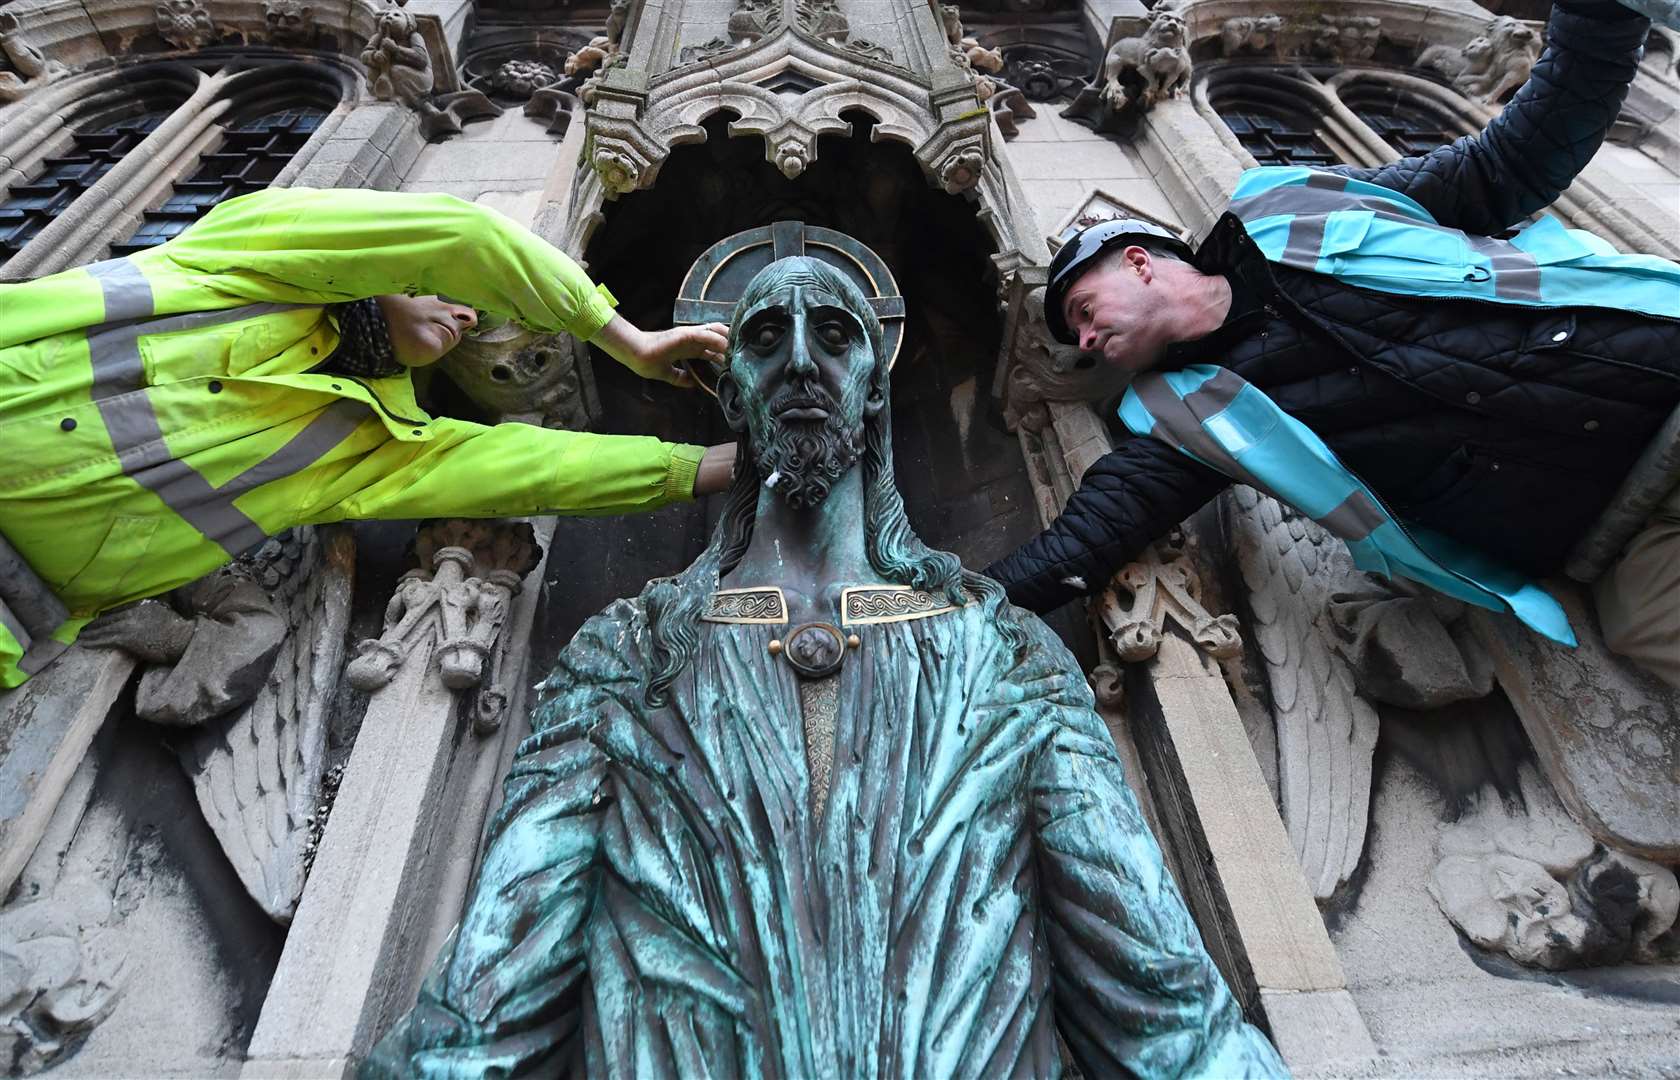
x=860, y=605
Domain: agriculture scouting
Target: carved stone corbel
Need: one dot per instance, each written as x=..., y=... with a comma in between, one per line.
x=622, y=154
x=456, y=602
x=30, y=68
x=1158, y=588
x=1342, y=39
x=1147, y=63
x=957, y=154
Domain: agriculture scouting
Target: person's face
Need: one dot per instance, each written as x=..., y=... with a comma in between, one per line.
x=1114, y=310
x=424, y=328
x=800, y=384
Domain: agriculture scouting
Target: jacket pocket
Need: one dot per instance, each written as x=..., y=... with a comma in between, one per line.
x=101, y=583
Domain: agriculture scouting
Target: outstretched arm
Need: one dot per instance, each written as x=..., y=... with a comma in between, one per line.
x=505, y=470
x=1127, y=498
x=1525, y=157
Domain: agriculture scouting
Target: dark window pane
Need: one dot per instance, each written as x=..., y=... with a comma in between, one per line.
x=1408, y=131
x=1276, y=140
x=250, y=157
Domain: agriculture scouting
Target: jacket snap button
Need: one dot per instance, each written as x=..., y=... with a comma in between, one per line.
x=1472, y=397
x=215, y=386
x=337, y=386
x=1561, y=335
x=417, y=431
x=68, y=423
x=1496, y=466
x=1591, y=425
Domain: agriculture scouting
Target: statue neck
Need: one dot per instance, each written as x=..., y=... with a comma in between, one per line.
x=806, y=551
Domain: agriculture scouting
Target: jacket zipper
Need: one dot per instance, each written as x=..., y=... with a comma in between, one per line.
x=382, y=407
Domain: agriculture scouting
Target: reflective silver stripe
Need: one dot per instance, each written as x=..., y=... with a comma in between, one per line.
x=1354, y=518
x=331, y=427
x=114, y=349
x=1326, y=181
x=1516, y=273
x=131, y=420
x=1300, y=199
x=1182, y=428
x=184, y=490
x=128, y=295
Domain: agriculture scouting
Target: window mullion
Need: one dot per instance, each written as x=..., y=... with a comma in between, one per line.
x=88, y=221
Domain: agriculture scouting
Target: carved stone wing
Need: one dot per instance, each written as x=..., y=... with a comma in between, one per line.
x=1326, y=731
x=258, y=771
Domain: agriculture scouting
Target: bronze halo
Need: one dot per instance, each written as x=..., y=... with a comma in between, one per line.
x=718, y=277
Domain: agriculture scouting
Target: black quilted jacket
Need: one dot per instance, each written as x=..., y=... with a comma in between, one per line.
x=1506, y=427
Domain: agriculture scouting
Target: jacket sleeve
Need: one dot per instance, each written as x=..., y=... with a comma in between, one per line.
x=1487, y=182
x=505, y=470
x=1126, y=499
x=335, y=245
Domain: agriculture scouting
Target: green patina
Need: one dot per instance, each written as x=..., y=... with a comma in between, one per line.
x=666, y=893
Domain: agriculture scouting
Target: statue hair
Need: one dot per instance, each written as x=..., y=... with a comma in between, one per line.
x=673, y=604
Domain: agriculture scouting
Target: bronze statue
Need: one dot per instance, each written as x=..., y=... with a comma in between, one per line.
x=823, y=804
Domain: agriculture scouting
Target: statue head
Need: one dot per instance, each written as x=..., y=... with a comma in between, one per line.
x=802, y=377
x=808, y=383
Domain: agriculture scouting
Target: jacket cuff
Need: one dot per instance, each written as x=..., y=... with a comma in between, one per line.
x=597, y=312
x=680, y=474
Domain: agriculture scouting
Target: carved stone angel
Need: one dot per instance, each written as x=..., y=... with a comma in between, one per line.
x=248, y=660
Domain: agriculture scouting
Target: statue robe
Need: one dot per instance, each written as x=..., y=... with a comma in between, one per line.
x=661, y=898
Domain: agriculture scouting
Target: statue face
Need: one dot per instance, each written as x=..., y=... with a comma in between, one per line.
x=799, y=379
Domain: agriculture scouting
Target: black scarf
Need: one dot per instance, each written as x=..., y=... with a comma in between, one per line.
x=364, y=342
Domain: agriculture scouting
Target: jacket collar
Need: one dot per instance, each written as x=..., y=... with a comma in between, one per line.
x=1228, y=250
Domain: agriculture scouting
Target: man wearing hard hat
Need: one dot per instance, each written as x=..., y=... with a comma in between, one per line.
x=1459, y=403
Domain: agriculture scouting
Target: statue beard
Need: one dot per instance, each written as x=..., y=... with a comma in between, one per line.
x=803, y=459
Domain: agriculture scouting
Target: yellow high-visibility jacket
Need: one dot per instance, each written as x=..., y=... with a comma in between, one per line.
x=157, y=417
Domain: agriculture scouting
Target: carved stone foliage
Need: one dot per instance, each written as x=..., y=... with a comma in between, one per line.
x=290, y=22
x=1522, y=878
x=630, y=134
x=1158, y=586
x=185, y=24
x=59, y=976
x=247, y=661
x=454, y=604
x=30, y=69
x=1490, y=65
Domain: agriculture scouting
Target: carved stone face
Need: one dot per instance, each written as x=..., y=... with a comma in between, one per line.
x=800, y=375
x=1167, y=29
x=512, y=372
x=288, y=20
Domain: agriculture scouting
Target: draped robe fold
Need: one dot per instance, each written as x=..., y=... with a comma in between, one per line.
x=659, y=897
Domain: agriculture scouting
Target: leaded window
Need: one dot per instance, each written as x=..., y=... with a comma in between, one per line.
x=250, y=157
x=30, y=207
x=1276, y=140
